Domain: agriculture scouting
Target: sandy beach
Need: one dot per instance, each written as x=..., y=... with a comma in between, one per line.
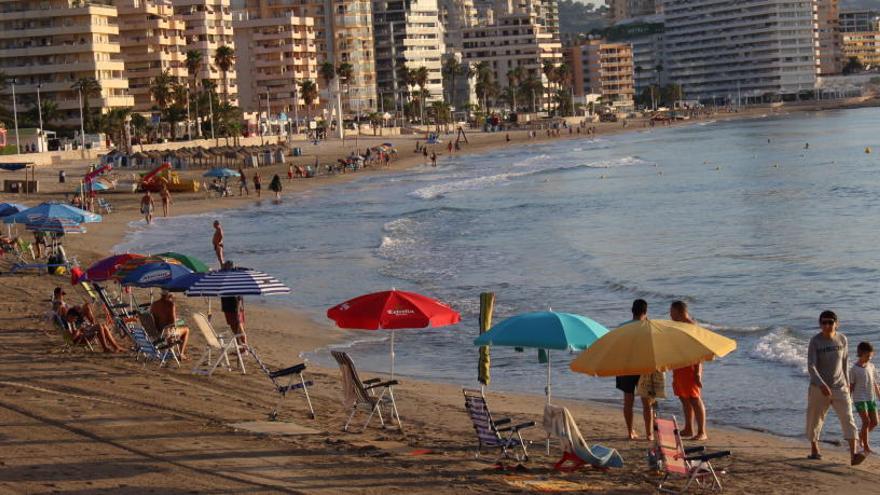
x=86, y=422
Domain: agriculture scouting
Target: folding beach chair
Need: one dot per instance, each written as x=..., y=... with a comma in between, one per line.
x=559, y=423
x=105, y=206
x=214, y=343
x=692, y=464
x=490, y=432
x=363, y=394
x=165, y=338
x=145, y=347
x=293, y=372
x=64, y=328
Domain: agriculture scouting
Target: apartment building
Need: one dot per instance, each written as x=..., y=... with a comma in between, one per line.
x=864, y=45
x=152, y=42
x=513, y=40
x=619, y=10
x=828, y=34
x=603, y=68
x=54, y=43
x=274, y=55
x=408, y=34
x=859, y=16
x=208, y=27
x=645, y=35
x=748, y=48
x=456, y=15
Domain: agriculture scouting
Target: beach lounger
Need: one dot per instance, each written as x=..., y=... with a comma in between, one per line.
x=490, y=432
x=691, y=464
x=559, y=423
x=214, y=343
x=165, y=338
x=370, y=394
x=145, y=347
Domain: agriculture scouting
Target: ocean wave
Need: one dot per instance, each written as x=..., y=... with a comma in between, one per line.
x=437, y=191
x=623, y=286
x=783, y=347
x=734, y=329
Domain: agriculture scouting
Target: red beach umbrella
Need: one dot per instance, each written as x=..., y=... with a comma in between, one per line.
x=106, y=268
x=392, y=310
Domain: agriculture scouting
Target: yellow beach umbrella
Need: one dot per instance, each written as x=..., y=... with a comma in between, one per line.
x=642, y=347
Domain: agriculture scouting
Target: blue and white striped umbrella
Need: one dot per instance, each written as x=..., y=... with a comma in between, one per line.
x=240, y=282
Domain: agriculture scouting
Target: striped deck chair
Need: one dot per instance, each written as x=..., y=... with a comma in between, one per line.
x=490, y=432
x=145, y=347
x=359, y=394
x=692, y=464
x=559, y=423
x=64, y=328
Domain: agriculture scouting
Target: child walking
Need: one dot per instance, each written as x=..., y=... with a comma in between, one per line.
x=865, y=391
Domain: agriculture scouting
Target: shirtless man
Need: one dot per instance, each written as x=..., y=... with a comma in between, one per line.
x=164, y=313
x=218, y=241
x=147, y=207
x=166, y=200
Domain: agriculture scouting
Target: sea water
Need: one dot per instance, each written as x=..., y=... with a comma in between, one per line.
x=756, y=231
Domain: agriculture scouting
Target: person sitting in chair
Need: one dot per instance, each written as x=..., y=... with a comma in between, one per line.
x=164, y=312
x=84, y=327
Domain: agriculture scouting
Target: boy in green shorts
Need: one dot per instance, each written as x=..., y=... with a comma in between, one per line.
x=865, y=390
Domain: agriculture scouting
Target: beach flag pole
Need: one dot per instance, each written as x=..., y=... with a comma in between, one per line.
x=487, y=307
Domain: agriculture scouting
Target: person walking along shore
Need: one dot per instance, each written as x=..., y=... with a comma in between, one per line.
x=827, y=357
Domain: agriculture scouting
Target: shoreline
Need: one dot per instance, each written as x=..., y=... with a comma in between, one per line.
x=51, y=397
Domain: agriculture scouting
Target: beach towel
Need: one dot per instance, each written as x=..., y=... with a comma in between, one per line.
x=559, y=422
x=652, y=385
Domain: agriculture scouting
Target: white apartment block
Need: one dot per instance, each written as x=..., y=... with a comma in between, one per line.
x=514, y=40
x=859, y=16
x=53, y=44
x=456, y=15
x=152, y=42
x=747, y=48
x=274, y=55
x=208, y=27
x=408, y=34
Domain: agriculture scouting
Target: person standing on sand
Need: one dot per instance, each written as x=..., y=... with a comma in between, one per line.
x=433, y=159
x=147, y=206
x=233, y=310
x=628, y=383
x=242, y=183
x=827, y=357
x=275, y=186
x=290, y=172
x=865, y=390
x=217, y=241
x=166, y=199
x=687, y=384
x=258, y=183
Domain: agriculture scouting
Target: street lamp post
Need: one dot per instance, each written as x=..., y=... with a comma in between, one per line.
x=211, y=110
x=15, y=118
x=40, y=108
x=188, y=121
x=82, y=123
x=268, y=114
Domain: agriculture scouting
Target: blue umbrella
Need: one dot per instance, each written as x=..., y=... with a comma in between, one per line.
x=55, y=225
x=7, y=209
x=51, y=210
x=221, y=173
x=155, y=274
x=183, y=283
x=544, y=330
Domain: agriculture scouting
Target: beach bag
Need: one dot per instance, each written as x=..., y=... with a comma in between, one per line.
x=652, y=385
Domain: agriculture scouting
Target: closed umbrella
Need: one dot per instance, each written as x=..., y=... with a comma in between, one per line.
x=544, y=330
x=392, y=310
x=642, y=347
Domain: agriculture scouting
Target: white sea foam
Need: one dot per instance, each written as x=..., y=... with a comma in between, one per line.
x=780, y=346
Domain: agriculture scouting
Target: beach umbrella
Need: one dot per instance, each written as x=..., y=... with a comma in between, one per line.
x=392, y=310
x=642, y=347
x=52, y=209
x=95, y=186
x=104, y=269
x=55, y=226
x=221, y=173
x=546, y=331
x=155, y=274
x=182, y=283
x=133, y=264
x=188, y=261
x=237, y=282
x=7, y=209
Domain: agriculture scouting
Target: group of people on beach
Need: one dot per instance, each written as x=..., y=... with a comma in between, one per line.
x=833, y=384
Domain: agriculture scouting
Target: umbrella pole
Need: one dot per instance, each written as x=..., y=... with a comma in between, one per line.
x=392, y=355
x=547, y=393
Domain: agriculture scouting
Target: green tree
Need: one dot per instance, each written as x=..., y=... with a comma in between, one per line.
x=224, y=59
x=514, y=77
x=421, y=77
x=853, y=65
x=308, y=91
x=345, y=71
x=88, y=87
x=113, y=124
x=486, y=86
x=139, y=128
x=533, y=89
x=193, y=64
x=452, y=68
x=161, y=89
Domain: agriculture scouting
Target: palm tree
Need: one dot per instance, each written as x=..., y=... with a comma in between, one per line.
x=328, y=73
x=193, y=66
x=549, y=70
x=514, y=77
x=113, y=124
x=308, y=91
x=421, y=77
x=139, y=126
x=161, y=89
x=88, y=87
x=224, y=59
x=563, y=79
x=441, y=111
x=486, y=86
x=345, y=71
x=534, y=87
x=451, y=69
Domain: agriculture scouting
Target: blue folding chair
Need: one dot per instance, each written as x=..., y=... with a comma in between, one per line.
x=490, y=432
